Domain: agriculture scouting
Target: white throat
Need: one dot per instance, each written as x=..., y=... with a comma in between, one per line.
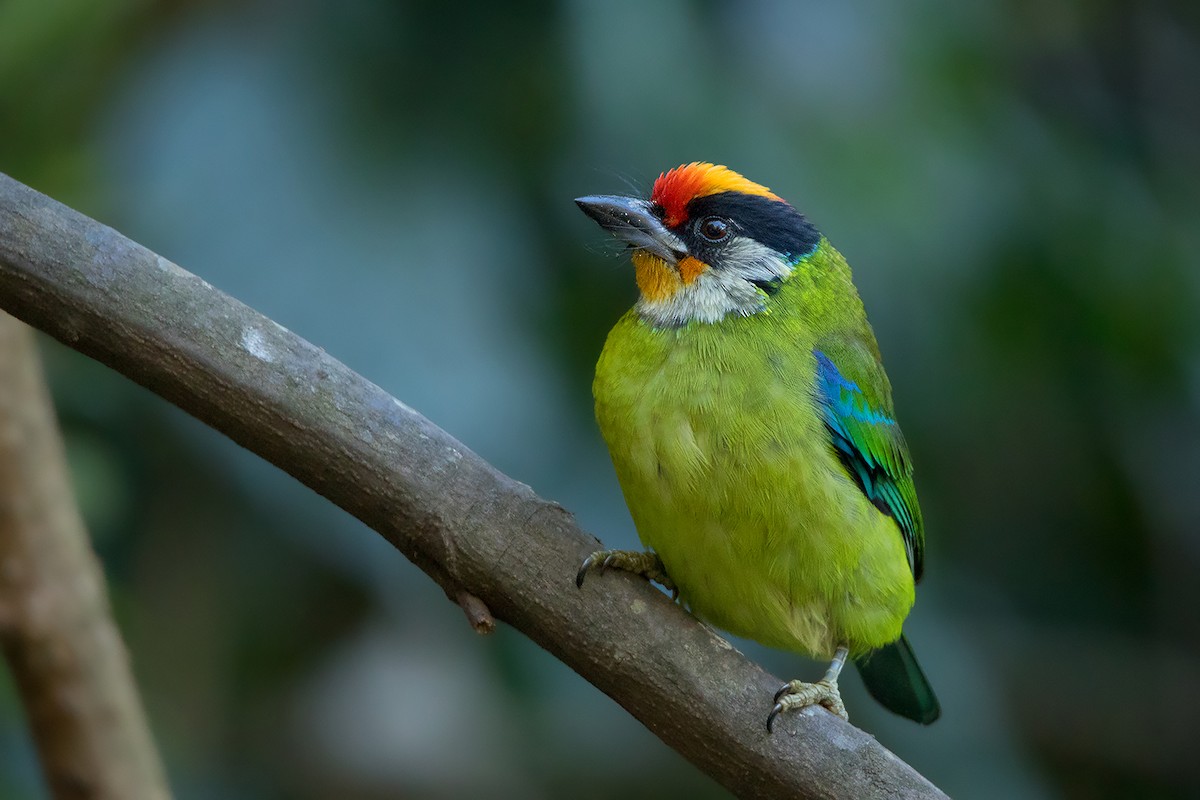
x=720, y=291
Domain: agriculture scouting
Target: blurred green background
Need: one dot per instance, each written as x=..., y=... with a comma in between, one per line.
x=1016, y=183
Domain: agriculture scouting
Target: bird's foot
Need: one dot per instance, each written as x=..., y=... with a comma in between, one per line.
x=797, y=694
x=644, y=563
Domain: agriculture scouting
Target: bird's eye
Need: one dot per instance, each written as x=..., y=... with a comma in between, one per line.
x=714, y=229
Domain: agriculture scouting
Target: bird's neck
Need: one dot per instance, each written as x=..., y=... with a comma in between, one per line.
x=816, y=284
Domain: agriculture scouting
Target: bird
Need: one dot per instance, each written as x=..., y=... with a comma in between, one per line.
x=750, y=423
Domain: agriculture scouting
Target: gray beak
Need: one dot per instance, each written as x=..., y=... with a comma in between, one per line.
x=630, y=220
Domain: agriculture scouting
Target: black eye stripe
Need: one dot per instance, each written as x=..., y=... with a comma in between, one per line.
x=771, y=222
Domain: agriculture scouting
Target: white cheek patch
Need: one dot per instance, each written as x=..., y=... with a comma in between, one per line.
x=721, y=290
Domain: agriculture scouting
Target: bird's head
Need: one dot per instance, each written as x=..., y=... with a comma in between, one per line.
x=708, y=243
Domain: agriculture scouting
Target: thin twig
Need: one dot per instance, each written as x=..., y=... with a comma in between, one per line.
x=478, y=614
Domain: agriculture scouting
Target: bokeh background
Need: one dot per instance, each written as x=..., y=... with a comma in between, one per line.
x=1016, y=183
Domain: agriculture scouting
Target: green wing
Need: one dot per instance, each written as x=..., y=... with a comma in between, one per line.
x=856, y=404
x=855, y=401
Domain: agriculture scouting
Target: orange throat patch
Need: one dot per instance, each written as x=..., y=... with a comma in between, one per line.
x=657, y=280
x=690, y=269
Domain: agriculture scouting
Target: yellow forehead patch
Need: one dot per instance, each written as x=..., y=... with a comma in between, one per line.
x=676, y=188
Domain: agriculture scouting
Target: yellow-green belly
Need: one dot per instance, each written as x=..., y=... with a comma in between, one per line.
x=730, y=477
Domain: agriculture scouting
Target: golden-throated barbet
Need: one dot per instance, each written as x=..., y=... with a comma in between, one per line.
x=750, y=422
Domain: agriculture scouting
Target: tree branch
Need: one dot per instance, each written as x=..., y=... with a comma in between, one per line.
x=472, y=529
x=64, y=650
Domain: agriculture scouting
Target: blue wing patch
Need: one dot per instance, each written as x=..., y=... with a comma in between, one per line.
x=871, y=447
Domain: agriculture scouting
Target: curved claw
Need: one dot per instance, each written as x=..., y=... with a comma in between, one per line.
x=584, y=568
x=785, y=689
x=646, y=564
x=775, y=712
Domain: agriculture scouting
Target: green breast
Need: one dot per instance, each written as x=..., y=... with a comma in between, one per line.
x=730, y=478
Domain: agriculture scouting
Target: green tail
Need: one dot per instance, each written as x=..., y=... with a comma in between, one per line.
x=894, y=678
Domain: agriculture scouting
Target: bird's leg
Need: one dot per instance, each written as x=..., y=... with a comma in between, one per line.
x=797, y=694
x=644, y=563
